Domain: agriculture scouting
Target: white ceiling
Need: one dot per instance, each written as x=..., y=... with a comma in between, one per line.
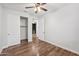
x=21, y=7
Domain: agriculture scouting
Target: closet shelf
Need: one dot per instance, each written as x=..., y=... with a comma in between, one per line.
x=23, y=26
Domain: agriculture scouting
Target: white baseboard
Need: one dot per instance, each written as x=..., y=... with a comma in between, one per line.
x=3, y=48
x=29, y=40
x=6, y=46
x=61, y=47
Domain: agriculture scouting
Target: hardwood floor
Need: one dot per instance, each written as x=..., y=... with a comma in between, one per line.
x=36, y=48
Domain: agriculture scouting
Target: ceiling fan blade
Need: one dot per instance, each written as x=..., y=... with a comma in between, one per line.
x=38, y=3
x=43, y=9
x=43, y=3
x=29, y=7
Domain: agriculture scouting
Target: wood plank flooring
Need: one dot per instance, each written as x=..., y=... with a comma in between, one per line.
x=36, y=48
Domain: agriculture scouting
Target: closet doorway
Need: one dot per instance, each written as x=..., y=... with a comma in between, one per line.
x=24, y=29
x=33, y=28
x=34, y=35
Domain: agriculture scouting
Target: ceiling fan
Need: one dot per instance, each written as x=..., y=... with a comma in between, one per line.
x=38, y=7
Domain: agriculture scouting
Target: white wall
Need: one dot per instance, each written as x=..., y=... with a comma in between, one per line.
x=11, y=27
x=0, y=26
x=2, y=29
x=41, y=28
x=62, y=27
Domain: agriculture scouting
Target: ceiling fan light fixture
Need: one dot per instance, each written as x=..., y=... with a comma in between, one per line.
x=39, y=9
x=35, y=9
